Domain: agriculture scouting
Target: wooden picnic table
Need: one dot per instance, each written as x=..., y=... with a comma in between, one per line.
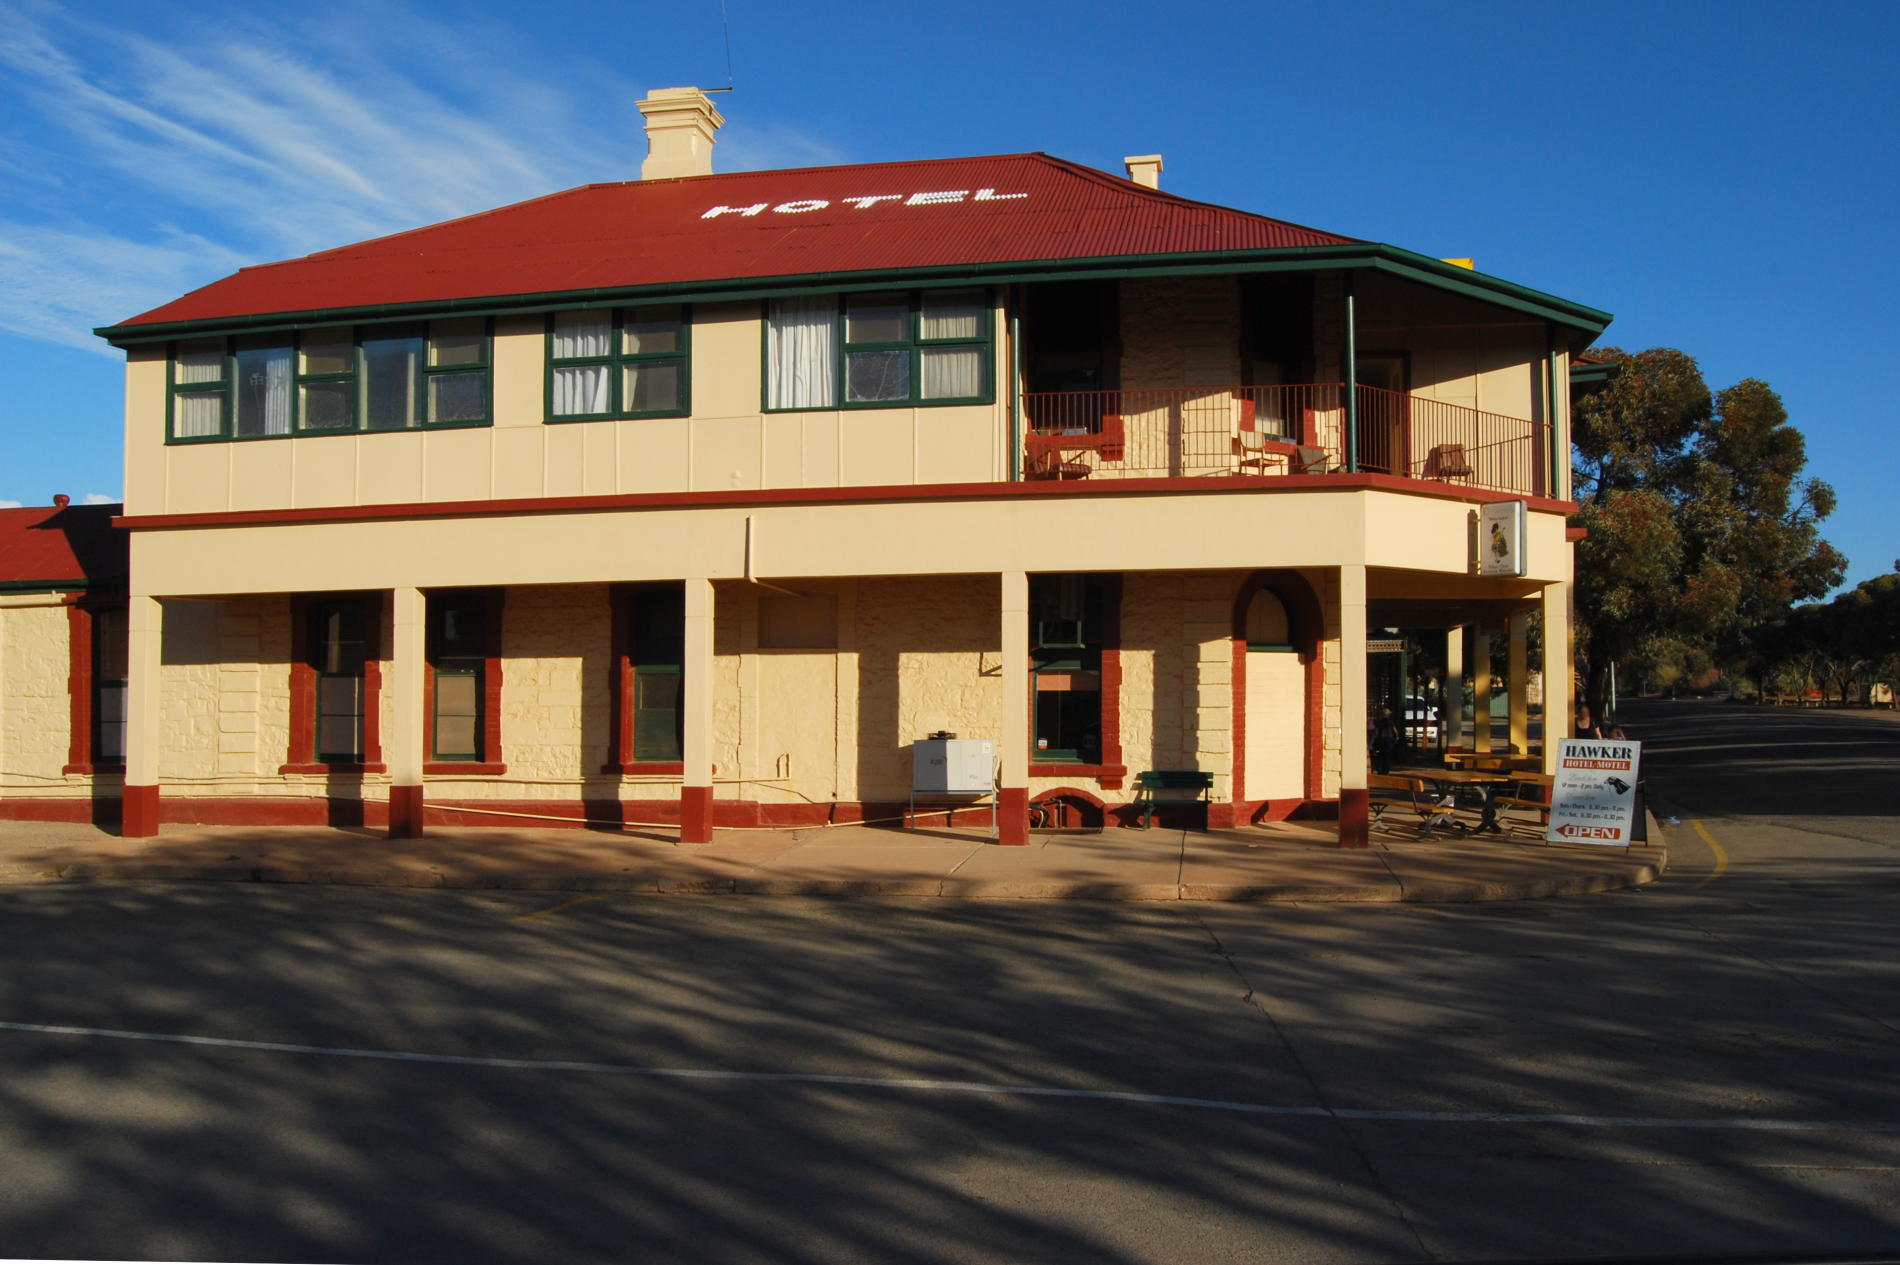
x=1484, y=781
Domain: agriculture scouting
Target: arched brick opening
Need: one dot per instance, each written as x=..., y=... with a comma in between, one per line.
x=1067, y=808
x=1306, y=626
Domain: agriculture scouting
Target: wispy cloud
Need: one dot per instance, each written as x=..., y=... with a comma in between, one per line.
x=151, y=167
x=100, y=498
x=138, y=165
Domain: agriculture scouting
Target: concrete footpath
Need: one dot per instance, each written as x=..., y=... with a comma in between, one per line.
x=1281, y=862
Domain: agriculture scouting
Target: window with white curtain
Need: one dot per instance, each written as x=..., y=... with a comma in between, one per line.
x=878, y=349
x=199, y=393
x=325, y=381
x=801, y=353
x=617, y=362
x=263, y=390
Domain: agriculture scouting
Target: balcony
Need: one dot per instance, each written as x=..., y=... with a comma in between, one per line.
x=1279, y=430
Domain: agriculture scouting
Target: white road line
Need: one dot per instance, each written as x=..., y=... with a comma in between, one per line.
x=970, y=1087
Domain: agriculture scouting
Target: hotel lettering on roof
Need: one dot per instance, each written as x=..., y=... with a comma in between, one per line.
x=699, y=499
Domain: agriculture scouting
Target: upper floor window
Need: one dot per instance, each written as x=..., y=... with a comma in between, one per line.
x=617, y=362
x=329, y=381
x=877, y=350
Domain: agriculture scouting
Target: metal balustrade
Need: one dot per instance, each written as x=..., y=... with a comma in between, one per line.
x=1180, y=432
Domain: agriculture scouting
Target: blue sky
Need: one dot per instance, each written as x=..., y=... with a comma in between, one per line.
x=1720, y=176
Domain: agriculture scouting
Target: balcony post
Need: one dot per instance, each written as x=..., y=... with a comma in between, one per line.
x=1352, y=380
x=1481, y=689
x=408, y=623
x=1519, y=682
x=696, y=720
x=1012, y=797
x=144, y=721
x=1453, y=726
x=1556, y=601
x=1354, y=761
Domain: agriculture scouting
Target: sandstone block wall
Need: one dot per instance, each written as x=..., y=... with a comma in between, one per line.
x=35, y=707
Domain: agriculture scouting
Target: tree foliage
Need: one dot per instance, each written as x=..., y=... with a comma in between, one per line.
x=1702, y=531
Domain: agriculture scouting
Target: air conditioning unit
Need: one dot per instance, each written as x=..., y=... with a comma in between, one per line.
x=1059, y=634
x=953, y=765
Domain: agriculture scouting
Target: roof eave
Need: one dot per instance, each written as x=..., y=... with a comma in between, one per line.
x=1584, y=322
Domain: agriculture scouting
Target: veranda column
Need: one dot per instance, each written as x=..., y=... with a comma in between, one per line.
x=1480, y=689
x=144, y=623
x=1517, y=665
x=1352, y=707
x=696, y=724
x=1012, y=799
x=1453, y=721
x=403, y=751
x=1557, y=660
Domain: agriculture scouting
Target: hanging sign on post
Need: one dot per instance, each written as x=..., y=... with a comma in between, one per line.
x=1501, y=538
x=1593, y=799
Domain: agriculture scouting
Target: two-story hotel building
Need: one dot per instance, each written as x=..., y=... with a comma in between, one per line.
x=698, y=499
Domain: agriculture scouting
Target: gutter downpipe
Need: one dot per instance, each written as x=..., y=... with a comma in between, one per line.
x=1015, y=396
x=1352, y=382
x=1550, y=410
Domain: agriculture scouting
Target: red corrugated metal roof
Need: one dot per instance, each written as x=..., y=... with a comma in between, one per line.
x=71, y=544
x=871, y=218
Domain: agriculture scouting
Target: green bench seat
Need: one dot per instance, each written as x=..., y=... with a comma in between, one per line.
x=1190, y=786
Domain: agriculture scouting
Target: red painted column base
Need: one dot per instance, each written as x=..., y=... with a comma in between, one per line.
x=696, y=814
x=1354, y=818
x=1012, y=816
x=405, y=812
x=139, y=812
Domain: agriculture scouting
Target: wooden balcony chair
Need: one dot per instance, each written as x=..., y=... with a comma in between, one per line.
x=1310, y=461
x=1447, y=461
x=1047, y=464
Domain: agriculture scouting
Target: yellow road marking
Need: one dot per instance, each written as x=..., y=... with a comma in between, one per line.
x=1721, y=857
x=566, y=904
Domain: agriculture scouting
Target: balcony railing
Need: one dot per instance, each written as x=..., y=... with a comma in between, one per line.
x=1278, y=430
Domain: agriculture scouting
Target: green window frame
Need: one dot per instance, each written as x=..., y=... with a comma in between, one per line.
x=657, y=623
x=623, y=362
x=335, y=380
x=198, y=401
x=109, y=679
x=1065, y=666
x=339, y=655
x=457, y=646
x=886, y=349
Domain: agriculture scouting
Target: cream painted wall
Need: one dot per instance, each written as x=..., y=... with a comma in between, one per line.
x=1135, y=532
x=1177, y=674
x=35, y=716
x=728, y=444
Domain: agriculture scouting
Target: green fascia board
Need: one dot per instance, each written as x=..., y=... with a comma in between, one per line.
x=1593, y=376
x=1390, y=259
x=44, y=586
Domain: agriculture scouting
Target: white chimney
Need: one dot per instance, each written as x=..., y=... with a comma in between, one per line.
x=1144, y=169
x=680, y=123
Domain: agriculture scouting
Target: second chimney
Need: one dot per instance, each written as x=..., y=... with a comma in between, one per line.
x=680, y=123
x=1144, y=169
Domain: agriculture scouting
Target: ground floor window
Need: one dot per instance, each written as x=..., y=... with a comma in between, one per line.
x=462, y=644
x=108, y=685
x=649, y=677
x=1068, y=619
x=335, y=684
x=339, y=642
x=96, y=685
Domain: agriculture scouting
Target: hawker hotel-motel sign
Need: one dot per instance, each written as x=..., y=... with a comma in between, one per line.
x=863, y=202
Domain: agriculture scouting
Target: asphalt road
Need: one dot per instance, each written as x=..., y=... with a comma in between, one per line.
x=222, y=1072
